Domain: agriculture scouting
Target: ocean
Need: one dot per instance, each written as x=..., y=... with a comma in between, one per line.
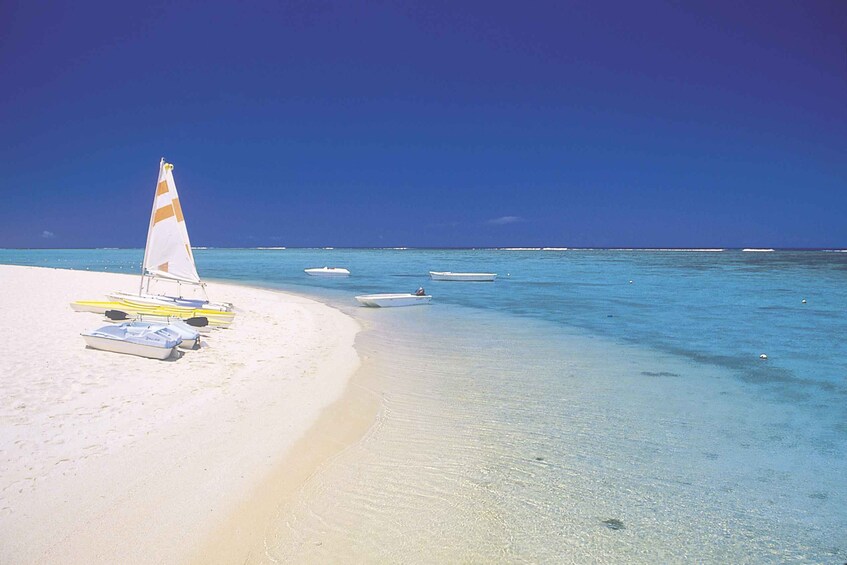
x=588, y=406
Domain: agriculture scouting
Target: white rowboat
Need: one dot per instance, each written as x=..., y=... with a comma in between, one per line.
x=391, y=300
x=328, y=272
x=144, y=342
x=467, y=277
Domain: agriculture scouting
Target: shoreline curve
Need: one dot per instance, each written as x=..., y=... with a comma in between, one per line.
x=116, y=458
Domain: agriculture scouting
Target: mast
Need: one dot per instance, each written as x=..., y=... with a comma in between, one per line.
x=149, y=230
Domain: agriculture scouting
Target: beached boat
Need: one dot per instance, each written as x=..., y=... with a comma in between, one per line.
x=144, y=342
x=121, y=316
x=189, y=337
x=467, y=277
x=392, y=300
x=328, y=272
x=162, y=300
x=214, y=317
x=168, y=256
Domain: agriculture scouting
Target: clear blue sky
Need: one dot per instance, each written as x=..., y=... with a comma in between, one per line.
x=716, y=123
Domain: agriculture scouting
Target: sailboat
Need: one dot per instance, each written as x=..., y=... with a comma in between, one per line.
x=168, y=255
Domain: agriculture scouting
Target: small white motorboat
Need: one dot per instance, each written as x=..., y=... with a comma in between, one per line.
x=390, y=300
x=144, y=342
x=328, y=272
x=189, y=337
x=467, y=277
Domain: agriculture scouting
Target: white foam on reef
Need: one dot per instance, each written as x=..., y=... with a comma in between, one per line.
x=665, y=249
x=687, y=250
x=757, y=250
x=270, y=248
x=518, y=249
x=554, y=249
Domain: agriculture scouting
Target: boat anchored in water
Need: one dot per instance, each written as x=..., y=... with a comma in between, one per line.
x=466, y=277
x=153, y=343
x=327, y=272
x=392, y=300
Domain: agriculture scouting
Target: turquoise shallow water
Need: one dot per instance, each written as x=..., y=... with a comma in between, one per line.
x=521, y=416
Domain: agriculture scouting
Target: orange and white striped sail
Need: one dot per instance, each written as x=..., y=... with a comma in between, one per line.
x=168, y=252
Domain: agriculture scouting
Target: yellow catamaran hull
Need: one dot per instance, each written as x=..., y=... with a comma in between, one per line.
x=215, y=317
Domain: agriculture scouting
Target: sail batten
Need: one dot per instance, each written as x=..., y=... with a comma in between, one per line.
x=168, y=251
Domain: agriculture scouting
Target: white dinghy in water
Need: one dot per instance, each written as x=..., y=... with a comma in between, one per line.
x=168, y=255
x=390, y=300
x=144, y=342
x=467, y=277
x=328, y=272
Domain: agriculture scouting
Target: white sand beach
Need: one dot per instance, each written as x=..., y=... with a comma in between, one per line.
x=120, y=459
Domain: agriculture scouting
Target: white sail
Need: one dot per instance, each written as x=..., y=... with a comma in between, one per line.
x=168, y=253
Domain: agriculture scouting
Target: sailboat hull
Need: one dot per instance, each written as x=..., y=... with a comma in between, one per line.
x=215, y=317
x=162, y=300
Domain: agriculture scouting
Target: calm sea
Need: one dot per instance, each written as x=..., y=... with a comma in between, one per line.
x=590, y=405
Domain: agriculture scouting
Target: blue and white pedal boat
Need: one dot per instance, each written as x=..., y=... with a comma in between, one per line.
x=145, y=342
x=189, y=336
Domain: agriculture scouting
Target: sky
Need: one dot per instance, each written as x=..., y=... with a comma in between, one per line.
x=427, y=124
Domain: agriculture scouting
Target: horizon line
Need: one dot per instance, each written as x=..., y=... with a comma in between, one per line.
x=457, y=248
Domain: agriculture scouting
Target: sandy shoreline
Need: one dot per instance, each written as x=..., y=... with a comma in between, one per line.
x=114, y=458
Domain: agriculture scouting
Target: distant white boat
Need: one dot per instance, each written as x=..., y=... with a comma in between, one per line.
x=467, y=277
x=328, y=272
x=391, y=300
x=144, y=342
